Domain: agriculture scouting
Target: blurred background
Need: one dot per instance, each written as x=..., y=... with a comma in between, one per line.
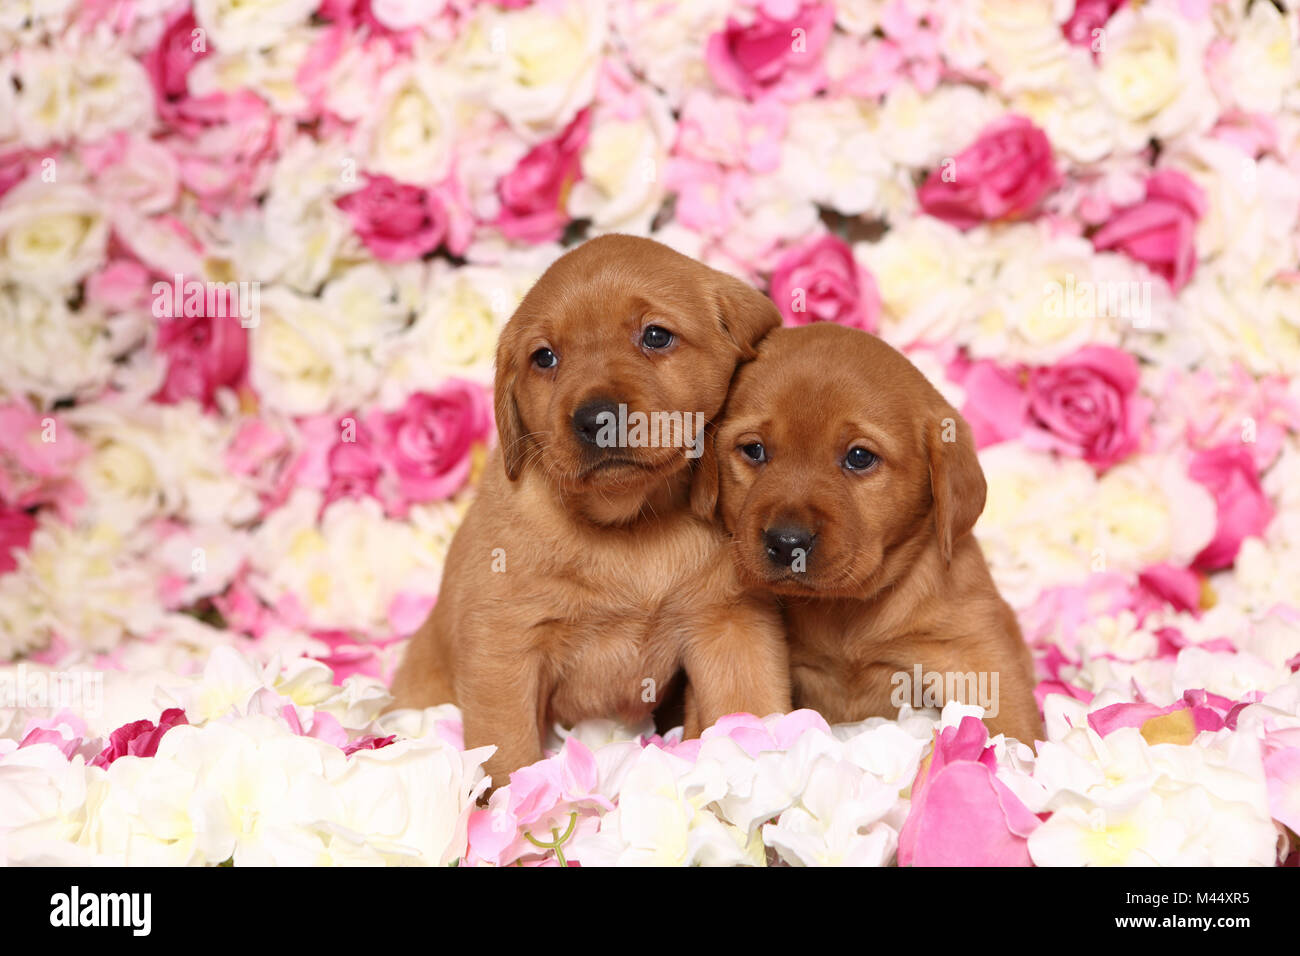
x=254, y=258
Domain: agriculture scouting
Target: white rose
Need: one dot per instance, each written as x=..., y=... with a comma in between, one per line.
x=536, y=66
x=456, y=333
x=1043, y=297
x=1253, y=208
x=924, y=269
x=1245, y=322
x=410, y=132
x=412, y=799
x=115, y=92
x=52, y=233
x=1152, y=74
x=49, y=351
x=261, y=793
x=404, y=14
x=147, y=179
x=771, y=215
x=1012, y=39
x=48, y=108
x=300, y=362
x=622, y=168
x=830, y=156
x=345, y=571
x=921, y=131
x=1263, y=65
x=32, y=18
x=141, y=815
x=370, y=303
x=90, y=584
x=237, y=25
x=650, y=36
x=1068, y=106
x=1148, y=510
x=269, y=71
x=42, y=806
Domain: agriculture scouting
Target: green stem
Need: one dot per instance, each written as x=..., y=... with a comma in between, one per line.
x=557, y=841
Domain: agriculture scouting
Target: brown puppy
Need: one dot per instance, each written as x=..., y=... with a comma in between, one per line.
x=850, y=487
x=580, y=580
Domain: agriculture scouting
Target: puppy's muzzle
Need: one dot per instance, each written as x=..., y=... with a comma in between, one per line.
x=786, y=544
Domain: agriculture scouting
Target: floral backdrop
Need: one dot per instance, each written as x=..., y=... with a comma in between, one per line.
x=219, y=517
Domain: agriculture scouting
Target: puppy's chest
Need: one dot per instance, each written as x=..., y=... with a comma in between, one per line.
x=840, y=646
x=619, y=670
x=625, y=610
x=616, y=577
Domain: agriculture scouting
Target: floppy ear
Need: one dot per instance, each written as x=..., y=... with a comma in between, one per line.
x=510, y=427
x=704, y=480
x=746, y=315
x=956, y=479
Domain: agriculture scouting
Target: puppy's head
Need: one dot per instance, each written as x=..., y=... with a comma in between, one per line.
x=837, y=462
x=617, y=342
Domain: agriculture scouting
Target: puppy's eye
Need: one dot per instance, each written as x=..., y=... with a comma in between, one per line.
x=655, y=337
x=754, y=451
x=859, y=459
x=545, y=358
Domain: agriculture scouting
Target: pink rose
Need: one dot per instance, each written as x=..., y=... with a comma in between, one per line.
x=534, y=192
x=37, y=456
x=354, y=466
x=708, y=196
x=1087, y=406
x=996, y=406
x=426, y=444
x=962, y=814
x=13, y=170
x=203, y=355
x=540, y=798
x=1230, y=474
x=1207, y=713
x=396, y=221
x=1004, y=174
x=140, y=738
x=769, y=56
x=369, y=742
x=1160, y=231
x=820, y=281
x=122, y=285
x=16, y=527
x=755, y=735
x=1165, y=583
x=169, y=64
x=1089, y=15
x=1282, y=774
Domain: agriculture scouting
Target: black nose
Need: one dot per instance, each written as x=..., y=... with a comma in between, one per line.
x=591, y=417
x=784, y=545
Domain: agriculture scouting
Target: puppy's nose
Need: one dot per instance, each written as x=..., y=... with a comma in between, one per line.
x=785, y=544
x=591, y=417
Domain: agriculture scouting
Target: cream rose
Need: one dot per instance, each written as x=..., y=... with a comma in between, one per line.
x=622, y=168
x=537, y=66
x=1152, y=74
x=410, y=132
x=300, y=361
x=236, y=25
x=51, y=233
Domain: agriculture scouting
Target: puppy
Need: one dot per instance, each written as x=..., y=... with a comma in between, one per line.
x=581, y=580
x=849, y=487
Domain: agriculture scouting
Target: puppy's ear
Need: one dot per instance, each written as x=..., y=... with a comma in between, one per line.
x=956, y=479
x=704, y=480
x=746, y=315
x=510, y=427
